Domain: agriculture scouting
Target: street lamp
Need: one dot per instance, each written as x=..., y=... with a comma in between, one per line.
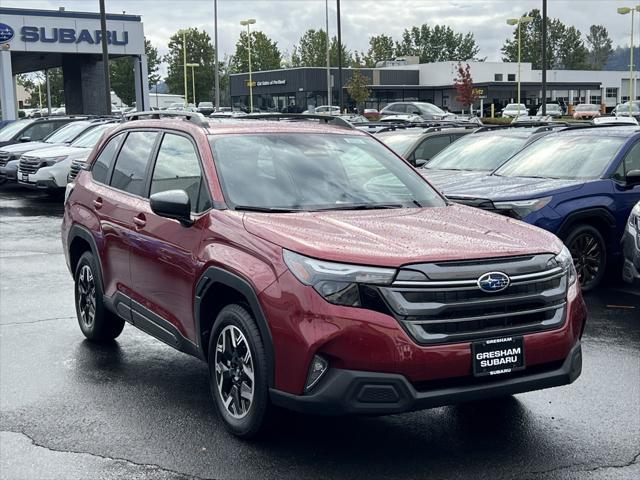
x=193, y=80
x=624, y=11
x=248, y=24
x=518, y=22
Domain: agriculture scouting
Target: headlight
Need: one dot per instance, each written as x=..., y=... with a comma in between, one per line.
x=565, y=260
x=522, y=208
x=53, y=160
x=336, y=282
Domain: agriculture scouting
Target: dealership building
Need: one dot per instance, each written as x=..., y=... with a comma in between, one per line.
x=406, y=80
x=36, y=40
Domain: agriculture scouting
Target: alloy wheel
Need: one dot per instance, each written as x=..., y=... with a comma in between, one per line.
x=587, y=257
x=86, y=296
x=234, y=371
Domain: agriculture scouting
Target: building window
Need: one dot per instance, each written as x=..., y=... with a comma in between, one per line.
x=612, y=93
x=597, y=99
x=498, y=77
x=624, y=98
x=511, y=77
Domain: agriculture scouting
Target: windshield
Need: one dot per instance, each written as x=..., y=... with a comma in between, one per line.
x=586, y=108
x=483, y=152
x=551, y=106
x=514, y=106
x=625, y=107
x=9, y=130
x=307, y=171
x=429, y=108
x=563, y=156
x=67, y=133
x=399, y=143
x=90, y=138
x=205, y=104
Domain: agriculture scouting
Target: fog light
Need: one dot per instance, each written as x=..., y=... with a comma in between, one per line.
x=317, y=369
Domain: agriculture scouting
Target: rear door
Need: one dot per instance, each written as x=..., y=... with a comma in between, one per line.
x=164, y=260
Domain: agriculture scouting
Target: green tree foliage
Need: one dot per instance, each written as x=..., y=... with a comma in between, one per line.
x=357, y=87
x=565, y=48
x=32, y=81
x=600, y=47
x=435, y=44
x=200, y=50
x=122, y=73
x=265, y=54
x=311, y=51
x=381, y=48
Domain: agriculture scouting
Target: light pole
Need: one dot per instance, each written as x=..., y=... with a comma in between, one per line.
x=184, y=63
x=519, y=22
x=329, y=100
x=193, y=80
x=624, y=11
x=248, y=23
x=217, y=72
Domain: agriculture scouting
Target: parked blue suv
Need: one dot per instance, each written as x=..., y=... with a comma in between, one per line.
x=579, y=183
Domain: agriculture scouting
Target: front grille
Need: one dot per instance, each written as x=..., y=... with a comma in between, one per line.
x=76, y=166
x=5, y=158
x=29, y=164
x=449, y=306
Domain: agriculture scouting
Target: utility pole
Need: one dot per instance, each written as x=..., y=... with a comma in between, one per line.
x=329, y=100
x=184, y=61
x=217, y=73
x=340, y=94
x=544, y=58
x=105, y=58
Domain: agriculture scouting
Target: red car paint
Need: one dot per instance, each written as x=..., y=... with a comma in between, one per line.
x=160, y=263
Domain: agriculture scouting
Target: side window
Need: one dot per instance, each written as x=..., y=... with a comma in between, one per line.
x=130, y=171
x=102, y=164
x=630, y=162
x=430, y=146
x=398, y=108
x=178, y=168
x=39, y=130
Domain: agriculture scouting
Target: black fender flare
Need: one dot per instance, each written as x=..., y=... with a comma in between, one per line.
x=213, y=275
x=600, y=213
x=77, y=231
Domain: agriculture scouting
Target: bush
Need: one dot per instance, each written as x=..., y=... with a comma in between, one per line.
x=496, y=121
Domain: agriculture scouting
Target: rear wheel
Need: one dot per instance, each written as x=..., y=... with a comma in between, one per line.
x=96, y=322
x=588, y=249
x=238, y=372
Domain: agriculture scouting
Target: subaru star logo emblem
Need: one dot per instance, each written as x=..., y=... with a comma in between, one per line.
x=6, y=33
x=493, y=282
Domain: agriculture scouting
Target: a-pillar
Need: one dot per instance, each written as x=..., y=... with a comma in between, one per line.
x=7, y=87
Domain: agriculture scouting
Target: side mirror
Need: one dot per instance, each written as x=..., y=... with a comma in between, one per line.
x=421, y=162
x=633, y=178
x=25, y=139
x=173, y=204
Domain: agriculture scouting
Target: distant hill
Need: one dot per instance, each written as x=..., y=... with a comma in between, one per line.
x=620, y=59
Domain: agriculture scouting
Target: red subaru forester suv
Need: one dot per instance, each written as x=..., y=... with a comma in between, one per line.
x=313, y=269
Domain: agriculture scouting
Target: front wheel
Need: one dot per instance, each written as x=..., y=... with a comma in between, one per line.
x=588, y=249
x=238, y=372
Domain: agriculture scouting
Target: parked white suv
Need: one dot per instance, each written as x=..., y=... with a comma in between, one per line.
x=512, y=110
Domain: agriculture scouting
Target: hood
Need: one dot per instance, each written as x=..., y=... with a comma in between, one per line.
x=28, y=146
x=444, y=179
x=59, y=151
x=494, y=187
x=403, y=236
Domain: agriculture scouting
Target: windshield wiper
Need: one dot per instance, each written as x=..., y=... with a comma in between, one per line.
x=361, y=206
x=250, y=208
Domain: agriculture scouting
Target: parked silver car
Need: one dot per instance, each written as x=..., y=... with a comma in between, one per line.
x=631, y=247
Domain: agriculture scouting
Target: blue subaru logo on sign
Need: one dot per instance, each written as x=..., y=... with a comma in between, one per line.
x=493, y=282
x=6, y=33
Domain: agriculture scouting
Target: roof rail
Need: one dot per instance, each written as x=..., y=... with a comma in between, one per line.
x=193, y=117
x=328, y=119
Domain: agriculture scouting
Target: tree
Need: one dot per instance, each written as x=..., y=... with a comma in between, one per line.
x=347, y=58
x=572, y=53
x=600, y=46
x=357, y=87
x=437, y=44
x=199, y=50
x=122, y=73
x=381, y=48
x=463, y=83
x=36, y=84
x=311, y=51
x=265, y=54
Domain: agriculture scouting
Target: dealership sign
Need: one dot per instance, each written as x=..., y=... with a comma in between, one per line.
x=69, y=35
x=6, y=33
x=268, y=83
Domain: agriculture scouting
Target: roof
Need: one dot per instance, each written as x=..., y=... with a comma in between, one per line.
x=610, y=130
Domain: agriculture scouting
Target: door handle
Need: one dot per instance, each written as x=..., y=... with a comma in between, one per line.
x=97, y=203
x=140, y=220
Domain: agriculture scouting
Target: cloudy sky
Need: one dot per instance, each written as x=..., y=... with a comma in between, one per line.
x=286, y=20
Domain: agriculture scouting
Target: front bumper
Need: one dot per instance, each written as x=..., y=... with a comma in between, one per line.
x=9, y=172
x=352, y=392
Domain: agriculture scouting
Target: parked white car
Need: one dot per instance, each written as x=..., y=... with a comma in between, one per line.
x=48, y=168
x=513, y=110
x=324, y=110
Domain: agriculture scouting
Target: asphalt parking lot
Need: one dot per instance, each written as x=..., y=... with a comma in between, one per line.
x=138, y=409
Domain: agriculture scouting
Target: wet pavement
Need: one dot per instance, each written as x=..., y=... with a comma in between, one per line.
x=136, y=408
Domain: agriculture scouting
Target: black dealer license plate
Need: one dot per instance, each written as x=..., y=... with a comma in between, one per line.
x=498, y=356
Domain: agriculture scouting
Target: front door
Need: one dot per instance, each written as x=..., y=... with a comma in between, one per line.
x=625, y=197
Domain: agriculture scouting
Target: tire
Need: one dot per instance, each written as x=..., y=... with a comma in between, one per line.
x=589, y=252
x=229, y=369
x=96, y=322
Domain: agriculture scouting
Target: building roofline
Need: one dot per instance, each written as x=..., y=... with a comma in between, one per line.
x=317, y=68
x=67, y=14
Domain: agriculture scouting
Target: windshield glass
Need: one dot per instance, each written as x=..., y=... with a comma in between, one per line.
x=563, y=156
x=552, y=106
x=585, y=107
x=67, y=133
x=514, y=106
x=429, y=108
x=307, y=171
x=90, y=138
x=624, y=107
x=399, y=142
x=484, y=152
x=9, y=130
